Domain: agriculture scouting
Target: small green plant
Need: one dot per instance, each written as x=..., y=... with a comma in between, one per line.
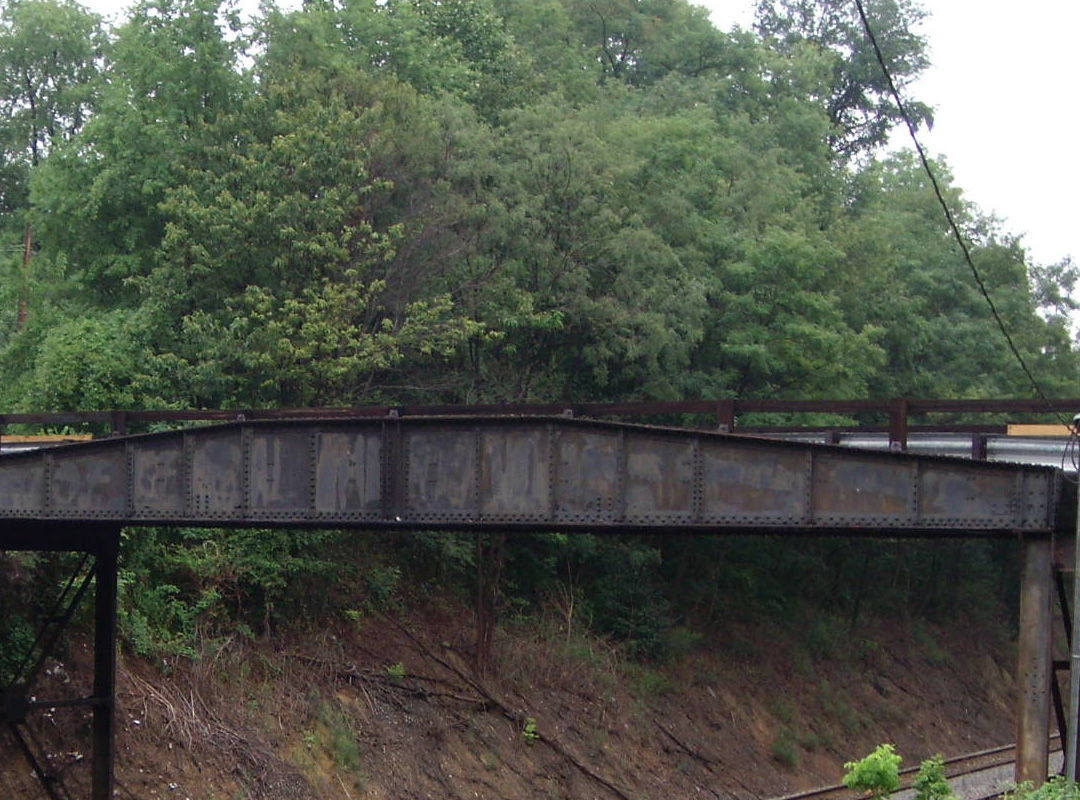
x=878, y=775
x=529, y=732
x=783, y=709
x=930, y=783
x=682, y=641
x=785, y=749
x=808, y=740
x=935, y=654
x=396, y=672
x=336, y=732
x=1057, y=788
x=647, y=682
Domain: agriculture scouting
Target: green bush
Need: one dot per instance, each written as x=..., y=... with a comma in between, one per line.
x=1057, y=788
x=785, y=748
x=930, y=783
x=878, y=774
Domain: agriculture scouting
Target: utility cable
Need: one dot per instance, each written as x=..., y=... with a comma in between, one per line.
x=954, y=227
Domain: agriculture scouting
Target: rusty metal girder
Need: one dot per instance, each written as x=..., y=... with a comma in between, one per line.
x=507, y=472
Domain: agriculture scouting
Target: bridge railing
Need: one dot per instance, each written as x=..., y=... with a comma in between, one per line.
x=723, y=414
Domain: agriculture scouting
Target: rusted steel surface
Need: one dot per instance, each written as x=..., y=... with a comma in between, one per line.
x=507, y=472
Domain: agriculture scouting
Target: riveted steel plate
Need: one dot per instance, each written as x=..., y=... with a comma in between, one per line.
x=216, y=476
x=280, y=473
x=442, y=480
x=515, y=475
x=850, y=488
x=93, y=483
x=22, y=486
x=962, y=494
x=348, y=474
x=1038, y=496
x=534, y=473
x=743, y=485
x=587, y=483
x=659, y=480
x=158, y=470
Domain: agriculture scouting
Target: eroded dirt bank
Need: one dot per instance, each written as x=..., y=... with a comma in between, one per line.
x=388, y=707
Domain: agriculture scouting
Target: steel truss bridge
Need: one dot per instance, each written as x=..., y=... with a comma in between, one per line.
x=506, y=469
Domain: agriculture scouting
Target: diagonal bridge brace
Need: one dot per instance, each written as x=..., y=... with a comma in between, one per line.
x=16, y=701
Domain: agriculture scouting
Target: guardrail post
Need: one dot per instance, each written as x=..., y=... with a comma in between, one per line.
x=725, y=415
x=1036, y=665
x=898, y=424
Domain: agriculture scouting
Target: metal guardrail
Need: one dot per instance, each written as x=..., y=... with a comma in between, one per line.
x=1061, y=452
x=989, y=442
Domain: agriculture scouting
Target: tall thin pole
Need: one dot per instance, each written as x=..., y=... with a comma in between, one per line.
x=1074, y=656
x=1035, y=664
x=24, y=291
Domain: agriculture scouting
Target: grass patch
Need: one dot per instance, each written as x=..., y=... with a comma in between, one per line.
x=785, y=749
x=645, y=682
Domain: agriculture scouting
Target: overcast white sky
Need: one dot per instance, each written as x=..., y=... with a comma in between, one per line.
x=1004, y=83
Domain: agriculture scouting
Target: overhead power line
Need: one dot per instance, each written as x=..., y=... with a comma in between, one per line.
x=951, y=220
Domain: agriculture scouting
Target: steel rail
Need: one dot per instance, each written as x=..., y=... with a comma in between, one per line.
x=955, y=767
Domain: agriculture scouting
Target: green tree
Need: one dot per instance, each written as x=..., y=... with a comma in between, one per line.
x=640, y=41
x=96, y=202
x=856, y=95
x=51, y=56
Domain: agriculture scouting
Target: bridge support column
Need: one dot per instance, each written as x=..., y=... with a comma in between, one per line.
x=104, y=700
x=1036, y=665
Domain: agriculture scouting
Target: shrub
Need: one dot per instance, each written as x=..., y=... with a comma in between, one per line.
x=1057, y=788
x=878, y=774
x=930, y=783
x=785, y=749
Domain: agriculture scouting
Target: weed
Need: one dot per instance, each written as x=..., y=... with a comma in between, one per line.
x=783, y=709
x=646, y=682
x=785, y=749
x=529, y=732
x=804, y=666
x=933, y=652
x=808, y=740
x=1057, y=788
x=682, y=641
x=865, y=648
x=843, y=712
x=382, y=583
x=742, y=649
x=823, y=636
x=396, y=672
x=340, y=740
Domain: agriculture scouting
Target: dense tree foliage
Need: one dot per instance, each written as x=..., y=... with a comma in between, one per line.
x=494, y=200
x=479, y=200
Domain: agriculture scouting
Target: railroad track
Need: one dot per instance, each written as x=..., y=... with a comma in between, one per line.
x=975, y=776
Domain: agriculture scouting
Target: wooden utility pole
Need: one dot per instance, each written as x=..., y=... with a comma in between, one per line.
x=1036, y=664
x=24, y=292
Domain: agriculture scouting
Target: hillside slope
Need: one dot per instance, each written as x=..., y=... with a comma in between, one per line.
x=384, y=707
